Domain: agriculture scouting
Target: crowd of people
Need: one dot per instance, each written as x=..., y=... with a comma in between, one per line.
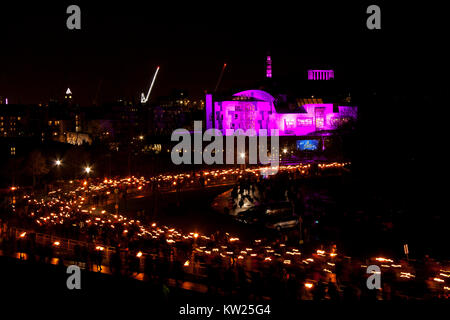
x=276, y=269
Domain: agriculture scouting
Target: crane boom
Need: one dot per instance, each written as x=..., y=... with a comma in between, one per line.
x=144, y=98
x=220, y=77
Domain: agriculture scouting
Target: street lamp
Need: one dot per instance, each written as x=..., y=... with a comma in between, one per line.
x=243, y=166
x=87, y=170
x=58, y=164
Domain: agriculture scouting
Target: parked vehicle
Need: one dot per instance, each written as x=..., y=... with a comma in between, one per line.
x=282, y=222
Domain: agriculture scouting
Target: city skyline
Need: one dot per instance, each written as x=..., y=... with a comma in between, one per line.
x=114, y=55
x=223, y=154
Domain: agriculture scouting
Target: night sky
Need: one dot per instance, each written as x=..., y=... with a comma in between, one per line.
x=121, y=43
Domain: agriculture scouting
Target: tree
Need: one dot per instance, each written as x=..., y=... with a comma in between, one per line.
x=76, y=158
x=36, y=165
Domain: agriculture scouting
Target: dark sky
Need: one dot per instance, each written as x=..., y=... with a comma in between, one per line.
x=121, y=43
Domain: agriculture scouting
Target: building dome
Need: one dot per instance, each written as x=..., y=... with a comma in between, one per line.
x=256, y=94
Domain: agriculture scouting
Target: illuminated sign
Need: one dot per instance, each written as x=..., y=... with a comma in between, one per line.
x=309, y=145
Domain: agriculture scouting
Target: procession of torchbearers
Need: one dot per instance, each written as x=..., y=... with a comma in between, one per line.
x=138, y=247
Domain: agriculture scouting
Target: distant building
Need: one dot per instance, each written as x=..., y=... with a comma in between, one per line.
x=180, y=98
x=77, y=138
x=68, y=95
x=14, y=120
x=320, y=74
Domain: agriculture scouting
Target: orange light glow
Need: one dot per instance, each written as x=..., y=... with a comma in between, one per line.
x=384, y=260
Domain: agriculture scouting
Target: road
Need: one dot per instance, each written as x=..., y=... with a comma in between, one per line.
x=194, y=213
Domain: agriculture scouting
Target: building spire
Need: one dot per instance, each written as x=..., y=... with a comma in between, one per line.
x=68, y=95
x=269, y=67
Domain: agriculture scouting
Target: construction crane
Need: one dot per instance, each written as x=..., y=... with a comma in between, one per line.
x=220, y=77
x=144, y=98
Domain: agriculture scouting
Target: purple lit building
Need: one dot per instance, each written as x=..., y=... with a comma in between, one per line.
x=257, y=109
x=320, y=74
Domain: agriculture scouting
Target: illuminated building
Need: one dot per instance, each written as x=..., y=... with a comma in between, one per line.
x=68, y=95
x=304, y=122
x=13, y=121
x=268, y=67
x=320, y=74
x=257, y=109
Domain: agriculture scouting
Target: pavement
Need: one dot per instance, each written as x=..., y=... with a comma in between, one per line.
x=21, y=258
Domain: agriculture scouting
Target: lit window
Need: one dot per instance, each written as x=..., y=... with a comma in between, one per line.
x=290, y=123
x=319, y=122
x=303, y=122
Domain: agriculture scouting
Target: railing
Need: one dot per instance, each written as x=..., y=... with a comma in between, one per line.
x=66, y=247
x=61, y=245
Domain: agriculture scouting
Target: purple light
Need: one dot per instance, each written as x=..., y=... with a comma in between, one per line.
x=320, y=74
x=255, y=109
x=209, y=111
x=268, y=67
